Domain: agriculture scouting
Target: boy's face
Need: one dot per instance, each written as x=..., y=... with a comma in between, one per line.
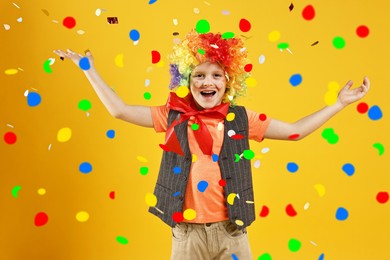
x=208, y=85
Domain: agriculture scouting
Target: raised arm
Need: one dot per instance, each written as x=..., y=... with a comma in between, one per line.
x=139, y=115
x=294, y=131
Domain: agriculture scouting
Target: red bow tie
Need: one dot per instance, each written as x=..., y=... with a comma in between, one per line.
x=188, y=108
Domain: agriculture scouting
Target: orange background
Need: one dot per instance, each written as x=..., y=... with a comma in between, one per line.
x=36, y=169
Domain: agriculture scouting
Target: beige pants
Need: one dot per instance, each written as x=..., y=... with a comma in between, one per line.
x=215, y=241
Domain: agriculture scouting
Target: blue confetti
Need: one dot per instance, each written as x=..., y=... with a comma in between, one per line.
x=292, y=167
x=295, y=80
x=134, y=35
x=176, y=170
x=33, y=99
x=214, y=157
x=349, y=169
x=177, y=193
x=234, y=257
x=84, y=63
x=375, y=113
x=85, y=167
x=322, y=257
x=202, y=186
x=152, y=1
x=110, y=133
x=341, y=214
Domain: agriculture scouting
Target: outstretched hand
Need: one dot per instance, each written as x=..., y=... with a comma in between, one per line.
x=347, y=95
x=73, y=56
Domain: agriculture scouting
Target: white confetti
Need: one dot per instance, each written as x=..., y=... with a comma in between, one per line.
x=257, y=164
x=9, y=125
x=196, y=10
x=147, y=82
x=231, y=133
x=80, y=32
x=49, y=147
x=220, y=126
x=243, y=49
x=98, y=12
x=313, y=243
x=225, y=12
x=306, y=206
x=265, y=150
x=7, y=27
x=261, y=59
x=16, y=5
x=20, y=19
x=175, y=22
x=54, y=21
x=135, y=43
x=26, y=93
x=52, y=61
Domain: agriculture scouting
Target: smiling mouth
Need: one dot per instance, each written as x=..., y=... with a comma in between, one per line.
x=208, y=93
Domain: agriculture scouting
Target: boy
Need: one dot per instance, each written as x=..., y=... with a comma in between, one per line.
x=204, y=188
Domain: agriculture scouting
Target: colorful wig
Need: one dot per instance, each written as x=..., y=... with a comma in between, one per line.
x=197, y=48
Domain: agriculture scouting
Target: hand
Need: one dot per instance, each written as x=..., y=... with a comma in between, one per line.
x=75, y=57
x=347, y=95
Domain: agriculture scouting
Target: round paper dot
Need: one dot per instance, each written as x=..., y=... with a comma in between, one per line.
x=222, y=182
x=151, y=199
x=239, y=222
x=244, y=25
x=15, y=191
x=257, y=164
x=292, y=167
x=134, y=35
x=33, y=99
x=227, y=35
x=41, y=219
x=156, y=56
x=294, y=245
x=231, y=197
x=202, y=26
x=362, y=108
x=261, y=59
x=308, y=12
x=375, y=113
x=84, y=63
x=329, y=135
x=341, y=214
x=122, y=240
x=214, y=157
x=178, y=217
x=283, y=45
x=85, y=167
x=119, y=60
x=64, y=134
x=231, y=133
x=69, y=22
x=189, y=214
x=112, y=195
x=362, y=31
x=110, y=134
x=147, y=95
x=10, y=138
x=152, y=1
x=265, y=256
x=182, y=91
x=274, y=36
x=230, y=116
x=46, y=66
x=176, y=170
x=263, y=117
x=249, y=154
x=251, y=82
x=194, y=127
x=264, y=211
x=142, y=159
x=144, y=170
x=291, y=211
x=320, y=189
x=322, y=257
x=379, y=147
x=84, y=105
x=234, y=257
x=295, y=80
x=82, y=216
x=338, y=42
x=382, y=197
x=248, y=67
x=41, y=191
x=202, y=186
x=349, y=169
x=194, y=157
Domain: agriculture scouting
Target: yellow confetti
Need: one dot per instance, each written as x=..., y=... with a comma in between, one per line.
x=320, y=189
x=189, y=214
x=239, y=222
x=330, y=97
x=230, y=198
x=182, y=91
x=119, y=60
x=41, y=191
x=333, y=86
x=82, y=216
x=142, y=159
x=11, y=71
x=64, y=134
x=160, y=64
x=151, y=199
x=251, y=82
x=274, y=36
x=230, y=116
x=194, y=157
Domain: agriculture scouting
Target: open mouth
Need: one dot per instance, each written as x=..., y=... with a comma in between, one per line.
x=208, y=93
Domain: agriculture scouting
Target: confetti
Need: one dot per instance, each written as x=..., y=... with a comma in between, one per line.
x=19, y=20
x=250, y=82
x=144, y=170
x=375, y=113
x=110, y=134
x=189, y=214
x=263, y=117
x=274, y=36
x=248, y=154
x=64, y=134
x=225, y=12
x=142, y=159
x=257, y=164
x=329, y=135
x=147, y=95
x=41, y=191
x=234, y=257
x=15, y=191
x=194, y=158
x=202, y=26
x=283, y=46
x=320, y=189
x=122, y=240
x=265, y=256
x=292, y=167
x=111, y=195
x=338, y=42
x=306, y=206
x=264, y=212
x=294, y=136
x=295, y=80
x=231, y=197
x=177, y=217
x=112, y=20
x=82, y=216
x=291, y=211
x=10, y=138
x=11, y=71
x=134, y=35
x=382, y=197
x=362, y=107
x=349, y=169
x=239, y=222
x=84, y=63
x=321, y=257
x=150, y=199
x=85, y=167
x=6, y=26
x=202, y=186
x=155, y=57
x=379, y=147
x=244, y=25
x=308, y=13
x=194, y=127
x=261, y=59
x=33, y=99
x=84, y=105
x=119, y=60
x=182, y=91
x=362, y=31
x=41, y=219
x=152, y=1
x=214, y=157
x=248, y=67
x=227, y=35
x=176, y=170
x=341, y=214
x=69, y=22
x=230, y=116
x=222, y=182
x=294, y=245
x=16, y=5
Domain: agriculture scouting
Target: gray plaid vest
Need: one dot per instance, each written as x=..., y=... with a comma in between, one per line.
x=170, y=187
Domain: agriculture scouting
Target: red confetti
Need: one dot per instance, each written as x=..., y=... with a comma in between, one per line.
x=362, y=31
x=178, y=217
x=308, y=12
x=362, y=107
x=262, y=117
x=245, y=25
x=112, y=195
x=69, y=22
x=222, y=182
x=291, y=211
x=10, y=138
x=293, y=136
x=164, y=147
x=382, y=197
x=264, y=211
x=155, y=57
x=237, y=136
x=41, y=219
x=248, y=67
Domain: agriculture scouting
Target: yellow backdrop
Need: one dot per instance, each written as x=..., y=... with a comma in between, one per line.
x=53, y=206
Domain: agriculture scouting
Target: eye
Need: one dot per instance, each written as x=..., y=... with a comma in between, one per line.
x=217, y=75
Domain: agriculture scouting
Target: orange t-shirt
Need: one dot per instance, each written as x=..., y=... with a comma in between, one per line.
x=204, y=194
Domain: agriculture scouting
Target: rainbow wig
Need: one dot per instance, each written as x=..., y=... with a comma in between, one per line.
x=197, y=48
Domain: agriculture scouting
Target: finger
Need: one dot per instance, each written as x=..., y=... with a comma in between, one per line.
x=348, y=85
x=366, y=82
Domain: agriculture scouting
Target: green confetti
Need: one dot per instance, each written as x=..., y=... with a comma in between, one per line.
x=283, y=45
x=144, y=170
x=195, y=127
x=227, y=35
x=265, y=256
x=122, y=240
x=202, y=26
x=85, y=105
x=294, y=245
x=147, y=95
x=46, y=66
x=329, y=135
x=15, y=191
x=249, y=154
x=238, y=158
x=201, y=51
x=379, y=147
x=338, y=42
